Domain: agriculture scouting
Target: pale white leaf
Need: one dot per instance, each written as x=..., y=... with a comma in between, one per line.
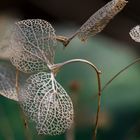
x=8, y=81
x=33, y=45
x=100, y=19
x=135, y=33
x=7, y=84
x=45, y=101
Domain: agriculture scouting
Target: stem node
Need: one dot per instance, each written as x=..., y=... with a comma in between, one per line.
x=56, y=67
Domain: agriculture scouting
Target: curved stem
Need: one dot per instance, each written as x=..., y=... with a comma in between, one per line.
x=57, y=67
x=116, y=75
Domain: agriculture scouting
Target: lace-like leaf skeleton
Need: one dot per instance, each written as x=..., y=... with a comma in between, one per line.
x=45, y=102
x=8, y=81
x=43, y=99
x=135, y=33
x=100, y=19
x=7, y=84
x=33, y=45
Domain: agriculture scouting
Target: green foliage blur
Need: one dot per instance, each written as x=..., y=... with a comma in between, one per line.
x=120, y=105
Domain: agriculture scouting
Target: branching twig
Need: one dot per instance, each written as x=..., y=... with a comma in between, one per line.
x=116, y=75
x=70, y=132
x=56, y=67
x=97, y=22
x=64, y=40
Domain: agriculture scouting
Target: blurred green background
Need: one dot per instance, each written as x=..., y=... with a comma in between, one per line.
x=120, y=106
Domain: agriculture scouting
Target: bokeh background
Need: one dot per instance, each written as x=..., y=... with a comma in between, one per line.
x=111, y=50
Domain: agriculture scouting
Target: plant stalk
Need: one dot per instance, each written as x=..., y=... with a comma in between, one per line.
x=56, y=67
x=65, y=40
x=120, y=72
x=26, y=129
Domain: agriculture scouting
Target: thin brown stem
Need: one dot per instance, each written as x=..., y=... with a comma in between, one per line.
x=70, y=132
x=120, y=72
x=65, y=40
x=98, y=107
x=17, y=84
x=56, y=67
x=73, y=35
x=27, y=134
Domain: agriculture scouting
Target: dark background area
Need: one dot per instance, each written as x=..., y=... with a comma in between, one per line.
x=75, y=12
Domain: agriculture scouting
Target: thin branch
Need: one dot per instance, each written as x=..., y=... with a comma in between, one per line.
x=120, y=72
x=97, y=22
x=98, y=107
x=64, y=40
x=55, y=69
x=27, y=134
x=70, y=132
x=17, y=84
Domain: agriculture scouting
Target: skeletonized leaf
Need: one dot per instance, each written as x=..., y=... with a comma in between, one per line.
x=33, y=45
x=135, y=33
x=100, y=19
x=8, y=80
x=7, y=84
x=45, y=101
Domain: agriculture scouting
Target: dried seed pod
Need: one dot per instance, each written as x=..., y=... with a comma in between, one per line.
x=45, y=102
x=33, y=44
x=100, y=19
x=135, y=33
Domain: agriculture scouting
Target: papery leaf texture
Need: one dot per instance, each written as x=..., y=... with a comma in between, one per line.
x=8, y=81
x=46, y=103
x=33, y=44
x=135, y=33
x=100, y=19
x=5, y=34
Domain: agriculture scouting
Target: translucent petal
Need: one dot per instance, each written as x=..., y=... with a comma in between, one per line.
x=100, y=19
x=33, y=45
x=135, y=33
x=46, y=102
